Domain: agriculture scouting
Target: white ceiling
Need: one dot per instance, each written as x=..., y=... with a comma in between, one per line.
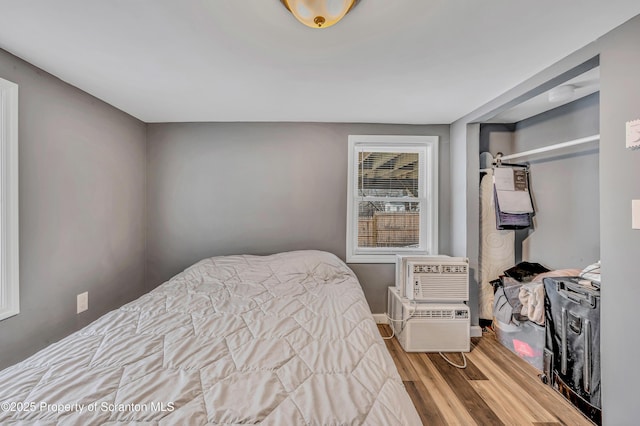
x=388, y=61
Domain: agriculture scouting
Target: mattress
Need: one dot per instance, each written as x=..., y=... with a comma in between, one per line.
x=285, y=339
x=497, y=248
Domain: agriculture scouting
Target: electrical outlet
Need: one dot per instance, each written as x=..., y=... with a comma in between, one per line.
x=635, y=214
x=83, y=301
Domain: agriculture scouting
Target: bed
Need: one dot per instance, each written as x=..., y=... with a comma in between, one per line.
x=285, y=339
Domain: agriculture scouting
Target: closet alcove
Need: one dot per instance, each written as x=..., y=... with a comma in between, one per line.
x=555, y=135
x=564, y=180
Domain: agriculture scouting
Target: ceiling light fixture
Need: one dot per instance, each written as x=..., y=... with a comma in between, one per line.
x=319, y=13
x=562, y=93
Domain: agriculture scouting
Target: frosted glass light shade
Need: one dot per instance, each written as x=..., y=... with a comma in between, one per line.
x=319, y=13
x=562, y=93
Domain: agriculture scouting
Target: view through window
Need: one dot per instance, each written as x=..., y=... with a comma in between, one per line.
x=393, y=198
x=389, y=213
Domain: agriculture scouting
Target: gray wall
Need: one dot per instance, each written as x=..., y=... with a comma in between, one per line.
x=620, y=245
x=464, y=162
x=570, y=209
x=259, y=188
x=458, y=171
x=473, y=212
x=565, y=186
x=82, y=184
x=619, y=169
x=495, y=138
x=465, y=145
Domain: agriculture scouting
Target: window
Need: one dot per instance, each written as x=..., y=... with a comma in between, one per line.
x=9, y=296
x=392, y=197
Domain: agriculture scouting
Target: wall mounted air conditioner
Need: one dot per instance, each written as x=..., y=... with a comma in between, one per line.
x=433, y=278
x=429, y=327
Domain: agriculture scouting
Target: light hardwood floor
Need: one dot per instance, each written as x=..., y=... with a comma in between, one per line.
x=496, y=388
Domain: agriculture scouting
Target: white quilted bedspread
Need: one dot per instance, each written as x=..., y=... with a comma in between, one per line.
x=286, y=339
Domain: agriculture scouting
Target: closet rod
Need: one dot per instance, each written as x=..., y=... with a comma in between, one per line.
x=552, y=147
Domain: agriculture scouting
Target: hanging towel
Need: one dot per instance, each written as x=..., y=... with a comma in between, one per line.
x=512, y=189
x=513, y=205
x=510, y=220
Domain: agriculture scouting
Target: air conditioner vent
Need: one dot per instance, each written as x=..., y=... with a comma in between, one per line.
x=426, y=269
x=454, y=269
x=439, y=269
x=434, y=313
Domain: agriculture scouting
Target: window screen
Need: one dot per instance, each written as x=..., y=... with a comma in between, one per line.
x=389, y=214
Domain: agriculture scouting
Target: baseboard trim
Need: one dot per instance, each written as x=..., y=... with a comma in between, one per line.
x=381, y=318
x=476, y=331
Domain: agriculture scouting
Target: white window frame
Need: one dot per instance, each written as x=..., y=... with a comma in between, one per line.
x=427, y=147
x=9, y=230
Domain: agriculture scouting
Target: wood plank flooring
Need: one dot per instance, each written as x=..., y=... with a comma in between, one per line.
x=496, y=388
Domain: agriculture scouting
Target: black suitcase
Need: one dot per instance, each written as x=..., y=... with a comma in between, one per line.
x=572, y=348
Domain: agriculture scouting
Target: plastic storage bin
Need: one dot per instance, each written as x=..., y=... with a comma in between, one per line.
x=525, y=340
